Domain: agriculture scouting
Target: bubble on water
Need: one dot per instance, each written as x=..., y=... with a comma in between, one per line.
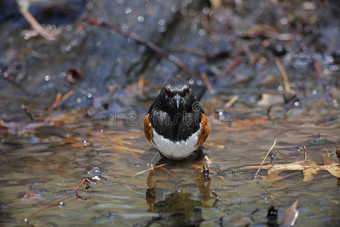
x=27, y=36
x=280, y=88
x=61, y=204
x=201, y=32
x=128, y=10
x=95, y=178
x=161, y=22
x=125, y=27
x=78, y=100
x=89, y=95
x=174, y=9
x=314, y=92
x=296, y=104
x=266, y=199
x=335, y=103
x=206, y=10
x=284, y=21
x=47, y=78
x=140, y=19
x=95, y=173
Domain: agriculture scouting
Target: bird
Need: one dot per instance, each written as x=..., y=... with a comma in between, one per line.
x=23, y=6
x=176, y=124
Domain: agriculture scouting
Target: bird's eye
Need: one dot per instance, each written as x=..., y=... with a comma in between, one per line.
x=188, y=91
x=166, y=91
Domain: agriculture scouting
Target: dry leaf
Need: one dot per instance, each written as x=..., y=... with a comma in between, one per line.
x=270, y=99
x=290, y=215
x=216, y=3
x=309, y=169
x=118, y=141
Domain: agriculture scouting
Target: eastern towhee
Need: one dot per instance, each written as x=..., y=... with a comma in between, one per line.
x=176, y=124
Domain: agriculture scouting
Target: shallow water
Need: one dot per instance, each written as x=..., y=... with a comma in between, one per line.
x=42, y=163
x=37, y=172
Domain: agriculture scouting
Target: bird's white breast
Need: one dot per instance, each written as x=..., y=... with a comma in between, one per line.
x=176, y=150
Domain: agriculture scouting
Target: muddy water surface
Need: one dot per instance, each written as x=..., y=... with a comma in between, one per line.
x=40, y=172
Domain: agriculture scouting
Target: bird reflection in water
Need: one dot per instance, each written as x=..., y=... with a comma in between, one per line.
x=178, y=191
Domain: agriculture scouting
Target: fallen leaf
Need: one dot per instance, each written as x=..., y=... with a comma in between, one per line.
x=309, y=169
x=270, y=99
x=290, y=215
x=216, y=3
x=338, y=154
x=118, y=141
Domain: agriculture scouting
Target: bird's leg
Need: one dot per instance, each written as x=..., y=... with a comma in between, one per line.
x=35, y=24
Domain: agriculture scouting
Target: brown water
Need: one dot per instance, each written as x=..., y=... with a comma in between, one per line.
x=42, y=168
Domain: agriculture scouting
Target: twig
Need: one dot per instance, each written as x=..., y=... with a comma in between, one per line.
x=270, y=150
x=141, y=40
x=67, y=95
x=151, y=168
x=231, y=102
x=81, y=183
x=27, y=112
x=233, y=65
x=190, y=50
x=171, y=174
x=59, y=202
x=318, y=69
x=205, y=171
x=11, y=80
x=215, y=194
x=55, y=103
x=283, y=72
x=54, y=204
x=39, y=211
x=266, y=191
x=206, y=81
x=59, y=99
x=79, y=197
x=304, y=153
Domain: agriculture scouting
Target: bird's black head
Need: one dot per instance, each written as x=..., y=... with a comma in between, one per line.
x=176, y=95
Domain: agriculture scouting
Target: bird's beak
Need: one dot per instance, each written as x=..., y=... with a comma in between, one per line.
x=178, y=99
